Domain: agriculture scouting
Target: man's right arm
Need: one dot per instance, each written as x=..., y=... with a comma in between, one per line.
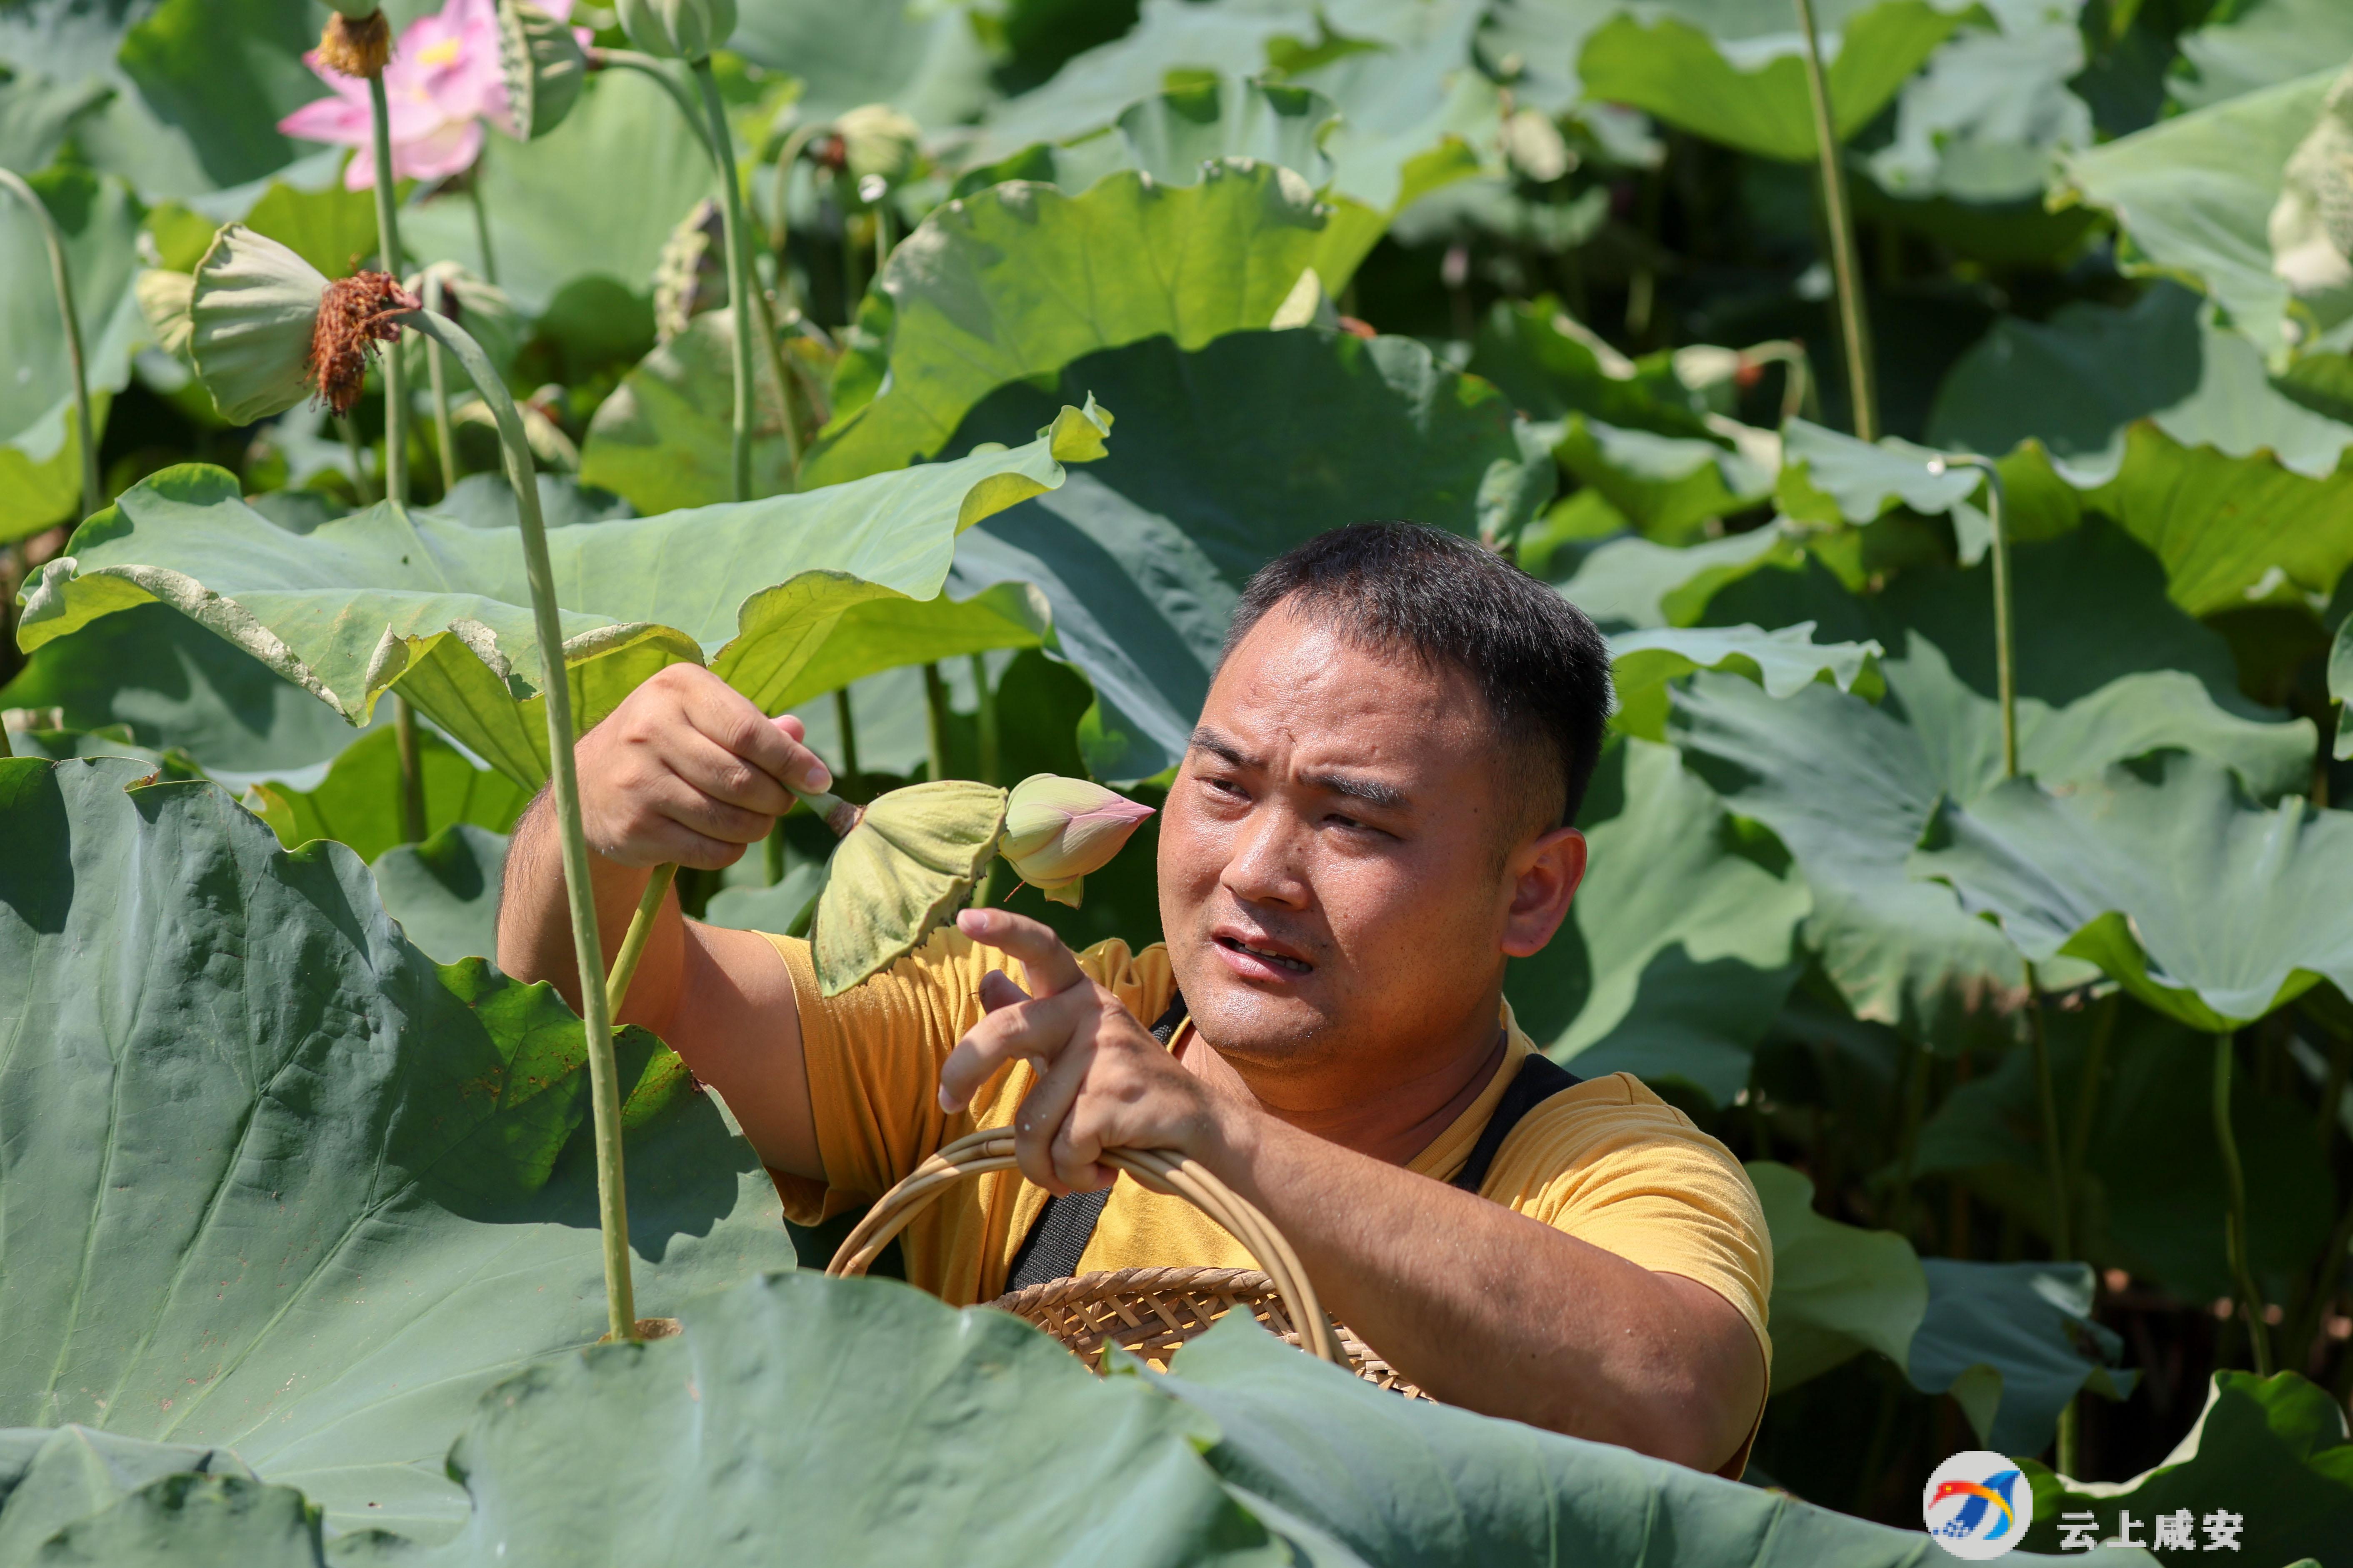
x=685, y=770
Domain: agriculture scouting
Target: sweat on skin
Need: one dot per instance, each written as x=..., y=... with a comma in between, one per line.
x=1348, y=857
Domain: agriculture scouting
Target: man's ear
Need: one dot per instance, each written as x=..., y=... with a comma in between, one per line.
x=1544, y=875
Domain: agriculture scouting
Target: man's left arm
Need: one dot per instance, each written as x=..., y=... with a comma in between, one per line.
x=1483, y=1308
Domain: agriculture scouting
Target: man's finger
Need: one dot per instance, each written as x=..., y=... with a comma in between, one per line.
x=1053, y=967
x=1039, y=1121
x=683, y=803
x=729, y=718
x=1040, y=1028
x=727, y=777
x=999, y=989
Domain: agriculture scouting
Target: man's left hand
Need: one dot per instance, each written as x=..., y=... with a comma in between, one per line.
x=1103, y=1082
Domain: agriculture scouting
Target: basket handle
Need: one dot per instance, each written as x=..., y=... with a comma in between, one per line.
x=1160, y=1170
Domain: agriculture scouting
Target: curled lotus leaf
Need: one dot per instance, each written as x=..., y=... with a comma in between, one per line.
x=909, y=863
x=542, y=65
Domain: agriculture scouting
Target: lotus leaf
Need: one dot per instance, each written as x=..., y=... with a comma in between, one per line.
x=358, y=803
x=40, y=449
x=1733, y=70
x=664, y=440
x=448, y=614
x=909, y=864
x=51, y=1480
x=1002, y=286
x=1679, y=948
x=1171, y=134
x=1988, y=118
x=1829, y=478
x=1634, y=581
x=1669, y=487
x=445, y=892
x=2340, y=685
x=2194, y=194
x=1837, y=1289
x=2273, y=1451
x=1553, y=365
x=931, y=64
x=275, y=1182
x=1782, y=661
x=2255, y=46
x=2199, y=901
x=1143, y=556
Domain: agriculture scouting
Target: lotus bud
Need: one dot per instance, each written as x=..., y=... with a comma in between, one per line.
x=543, y=66
x=266, y=328
x=878, y=143
x=678, y=30
x=1536, y=147
x=358, y=40
x=1057, y=829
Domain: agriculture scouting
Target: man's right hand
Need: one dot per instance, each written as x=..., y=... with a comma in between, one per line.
x=686, y=769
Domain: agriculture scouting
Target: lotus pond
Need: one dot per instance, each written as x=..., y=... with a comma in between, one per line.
x=1943, y=405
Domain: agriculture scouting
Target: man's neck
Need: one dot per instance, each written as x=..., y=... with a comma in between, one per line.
x=1388, y=1115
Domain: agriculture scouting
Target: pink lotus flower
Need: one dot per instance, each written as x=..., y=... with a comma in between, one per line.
x=442, y=83
x=1057, y=829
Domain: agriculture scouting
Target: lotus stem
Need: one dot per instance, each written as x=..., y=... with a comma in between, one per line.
x=412, y=772
x=1855, y=324
x=647, y=66
x=633, y=943
x=2234, y=1222
x=61, y=279
x=2054, y=1164
x=445, y=438
x=850, y=290
x=1796, y=381
x=387, y=241
x=483, y=225
x=357, y=454
x=2005, y=642
x=935, y=720
x=846, y=723
x=772, y=853
x=739, y=286
x=985, y=889
x=604, y=1076
x=780, y=231
x=881, y=238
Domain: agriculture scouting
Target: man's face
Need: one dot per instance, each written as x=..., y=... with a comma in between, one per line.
x=1344, y=862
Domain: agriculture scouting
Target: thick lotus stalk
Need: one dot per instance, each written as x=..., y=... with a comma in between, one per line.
x=61, y=279
x=741, y=285
x=604, y=1078
x=387, y=235
x=435, y=291
x=678, y=30
x=1059, y=830
x=2234, y=1233
x=1855, y=324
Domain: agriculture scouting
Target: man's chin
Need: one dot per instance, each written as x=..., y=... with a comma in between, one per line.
x=1243, y=1017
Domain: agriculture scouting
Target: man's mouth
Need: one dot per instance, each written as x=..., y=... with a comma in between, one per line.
x=1268, y=956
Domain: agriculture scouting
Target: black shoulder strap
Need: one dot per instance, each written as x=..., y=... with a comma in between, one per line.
x=1539, y=1079
x=1059, y=1239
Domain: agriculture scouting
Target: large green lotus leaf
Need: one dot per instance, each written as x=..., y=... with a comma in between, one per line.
x=274, y=1181
x=2271, y=1452
x=861, y=1422
x=358, y=803
x=1849, y=787
x=664, y=439
x=40, y=448
x=196, y=87
x=2194, y=195
x=2200, y=902
x=1837, y=1289
x=1677, y=953
x=1825, y=477
x=1988, y=118
x=175, y=684
x=194, y=1520
x=2168, y=422
x=440, y=605
x=596, y=196
x=1642, y=663
x=2340, y=685
x=1554, y=365
x=2003, y=1338
x=1239, y=450
x=1008, y=286
x=1638, y=582
x=445, y=892
x=1170, y=134
x=1669, y=487
x=37, y=111
x=930, y=63
x=1419, y=1485
x=2256, y=44
x=51, y=1478
x=911, y=862
x=1734, y=71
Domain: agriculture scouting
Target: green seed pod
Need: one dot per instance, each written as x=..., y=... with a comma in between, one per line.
x=251, y=317
x=678, y=30
x=164, y=301
x=543, y=66
x=878, y=140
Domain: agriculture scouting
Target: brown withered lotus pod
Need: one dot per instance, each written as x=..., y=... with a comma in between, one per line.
x=356, y=314
x=266, y=328
x=356, y=45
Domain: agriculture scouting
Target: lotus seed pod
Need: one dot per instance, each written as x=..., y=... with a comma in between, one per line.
x=356, y=43
x=878, y=141
x=1057, y=829
x=164, y=296
x=252, y=312
x=543, y=67
x=678, y=30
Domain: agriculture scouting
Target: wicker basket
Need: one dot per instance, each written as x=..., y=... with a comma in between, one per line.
x=1150, y=1311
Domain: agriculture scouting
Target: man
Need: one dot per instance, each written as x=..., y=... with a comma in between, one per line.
x=1373, y=817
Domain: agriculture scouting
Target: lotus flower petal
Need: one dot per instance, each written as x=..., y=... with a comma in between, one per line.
x=1057, y=829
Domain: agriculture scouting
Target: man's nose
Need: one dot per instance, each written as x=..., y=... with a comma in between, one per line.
x=1265, y=867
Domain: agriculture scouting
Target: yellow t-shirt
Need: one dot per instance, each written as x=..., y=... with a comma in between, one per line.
x=1608, y=1161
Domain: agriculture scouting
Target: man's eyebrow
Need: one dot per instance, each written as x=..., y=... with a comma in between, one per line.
x=1220, y=745
x=1356, y=786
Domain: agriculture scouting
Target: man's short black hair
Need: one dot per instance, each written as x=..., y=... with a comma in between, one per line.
x=1389, y=587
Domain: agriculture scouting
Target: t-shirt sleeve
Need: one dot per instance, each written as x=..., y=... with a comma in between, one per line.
x=1612, y=1163
x=872, y=1055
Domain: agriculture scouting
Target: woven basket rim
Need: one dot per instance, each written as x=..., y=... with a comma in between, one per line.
x=1109, y=1282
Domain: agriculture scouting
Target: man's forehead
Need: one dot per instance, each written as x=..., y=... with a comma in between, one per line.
x=1291, y=661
